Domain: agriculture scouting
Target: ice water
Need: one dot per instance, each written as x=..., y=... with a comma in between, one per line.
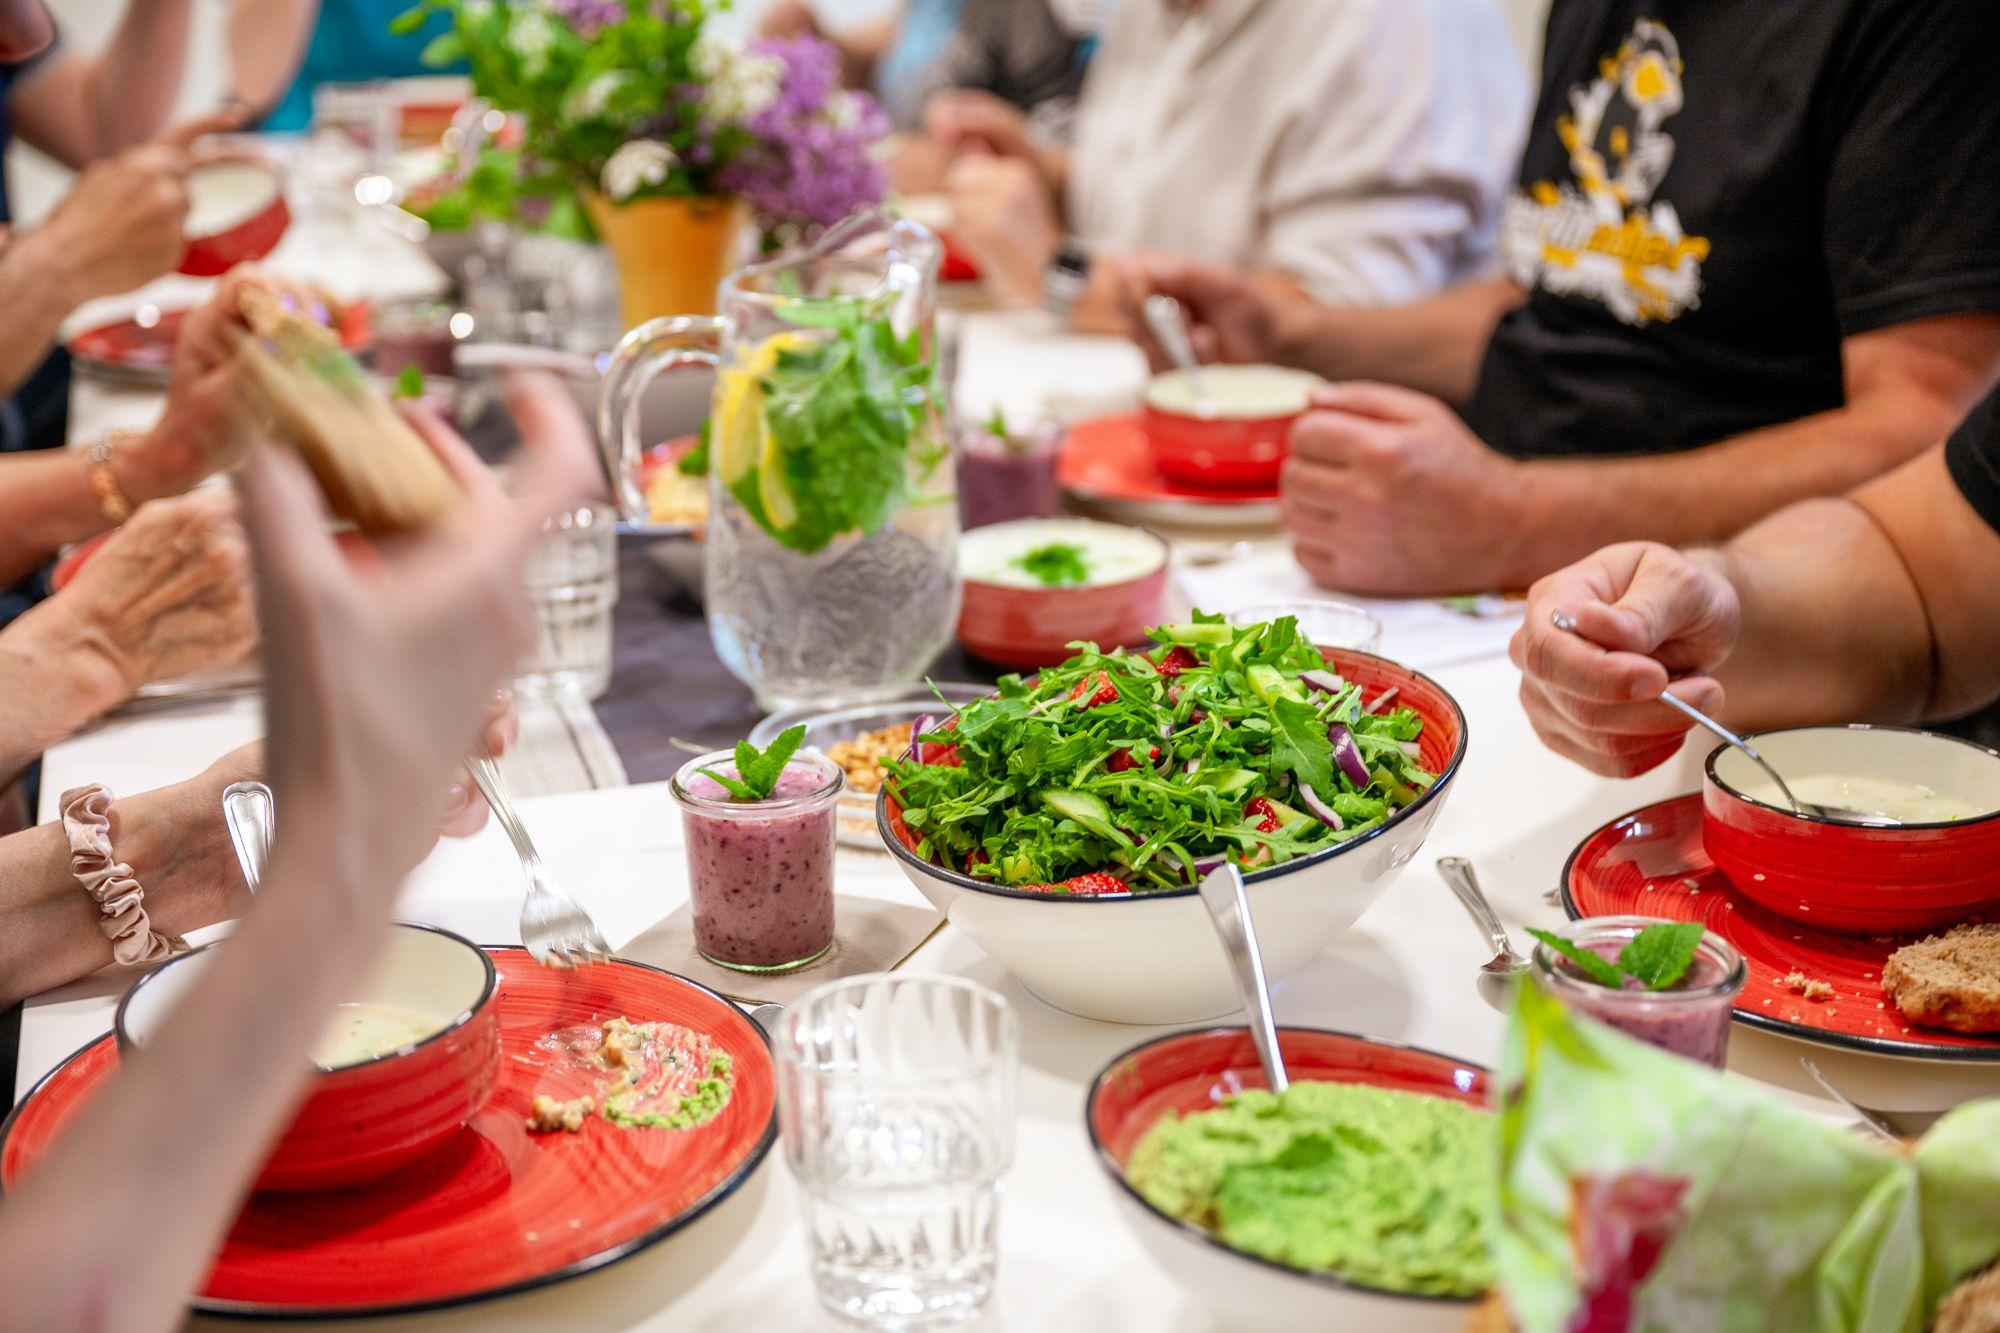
x=902, y=1210
x=572, y=584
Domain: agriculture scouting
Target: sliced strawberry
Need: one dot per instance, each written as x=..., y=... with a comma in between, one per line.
x=1121, y=760
x=1177, y=661
x=1261, y=810
x=1098, y=687
x=1096, y=884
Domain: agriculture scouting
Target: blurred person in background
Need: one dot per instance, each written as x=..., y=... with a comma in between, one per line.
x=1355, y=154
x=1748, y=262
x=883, y=55
x=1878, y=607
x=280, y=51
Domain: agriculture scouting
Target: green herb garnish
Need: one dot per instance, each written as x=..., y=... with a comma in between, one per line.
x=1657, y=957
x=757, y=771
x=996, y=425
x=409, y=383
x=1056, y=564
x=694, y=463
x=1141, y=764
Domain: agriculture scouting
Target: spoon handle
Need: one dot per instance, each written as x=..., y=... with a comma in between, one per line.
x=1165, y=318
x=1458, y=877
x=1701, y=719
x=247, y=812
x=1222, y=893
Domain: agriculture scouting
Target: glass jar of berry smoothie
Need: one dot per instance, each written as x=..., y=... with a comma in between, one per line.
x=1689, y=1018
x=760, y=872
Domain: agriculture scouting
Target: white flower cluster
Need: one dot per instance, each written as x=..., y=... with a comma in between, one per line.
x=635, y=166
x=737, y=85
x=590, y=101
x=533, y=36
x=843, y=110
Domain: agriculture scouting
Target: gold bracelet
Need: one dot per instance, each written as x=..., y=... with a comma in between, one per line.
x=103, y=484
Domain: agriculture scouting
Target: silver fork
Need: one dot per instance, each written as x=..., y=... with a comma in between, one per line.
x=555, y=930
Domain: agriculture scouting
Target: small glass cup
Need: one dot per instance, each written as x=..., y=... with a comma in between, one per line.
x=1001, y=478
x=760, y=873
x=896, y=1100
x=1691, y=1020
x=1327, y=623
x=572, y=584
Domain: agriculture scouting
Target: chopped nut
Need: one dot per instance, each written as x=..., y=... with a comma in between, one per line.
x=1810, y=987
x=861, y=758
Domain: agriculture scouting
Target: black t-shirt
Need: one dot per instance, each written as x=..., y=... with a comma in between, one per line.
x=1716, y=192
x=1973, y=455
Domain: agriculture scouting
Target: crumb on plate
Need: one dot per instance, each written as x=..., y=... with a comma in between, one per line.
x=548, y=1115
x=1810, y=987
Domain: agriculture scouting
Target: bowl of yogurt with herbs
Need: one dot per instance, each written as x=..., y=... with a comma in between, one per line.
x=1034, y=586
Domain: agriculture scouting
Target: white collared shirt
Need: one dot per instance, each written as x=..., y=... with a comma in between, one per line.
x=1362, y=146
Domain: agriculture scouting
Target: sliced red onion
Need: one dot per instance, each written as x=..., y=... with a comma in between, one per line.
x=1382, y=699
x=1193, y=765
x=1207, y=865
x=1317, y=807
x=1348, y=755
x=1411, y=748
x=1166, y=730
x=1323, y=681
x=917, y=728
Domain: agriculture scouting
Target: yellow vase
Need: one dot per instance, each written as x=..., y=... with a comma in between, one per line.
x=671, y=253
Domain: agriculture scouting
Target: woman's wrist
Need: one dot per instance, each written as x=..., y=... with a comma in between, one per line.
x=45, y=706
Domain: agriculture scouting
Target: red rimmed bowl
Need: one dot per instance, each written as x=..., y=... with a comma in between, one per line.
x=1192, y=1071
x=1856, y=879
x=1018, y=623
x=236, y=213
x=362, y=1120
x=1152, y=957
x=1239, y=444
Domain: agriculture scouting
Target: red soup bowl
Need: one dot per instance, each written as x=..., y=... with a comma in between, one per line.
x=236, y=213
x=1008, y=617
x=1856, y=879
x=365, y=1118
x=1187, y=1072
x=1238, y=443
x=1152, y=957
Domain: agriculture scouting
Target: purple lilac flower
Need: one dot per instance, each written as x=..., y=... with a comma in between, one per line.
x=588, y=16
x=810, y=164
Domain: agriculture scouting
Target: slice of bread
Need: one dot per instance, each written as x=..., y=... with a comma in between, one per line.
x=1950, y=980
x=376, y=470
x=1973, y=1306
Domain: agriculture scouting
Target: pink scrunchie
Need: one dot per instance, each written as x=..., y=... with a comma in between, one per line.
x=86, y=815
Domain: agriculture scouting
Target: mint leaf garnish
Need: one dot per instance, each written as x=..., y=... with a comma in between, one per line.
x=1597, y=969
x=410, y=382
x=1056, y=564
x=1659, y=956
x=758, y=771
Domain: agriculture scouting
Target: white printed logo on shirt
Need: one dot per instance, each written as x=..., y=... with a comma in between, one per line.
x=1603, y=236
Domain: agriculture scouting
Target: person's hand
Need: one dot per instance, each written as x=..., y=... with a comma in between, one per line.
x=378, y=685
x=201, y=430
x=168, y=593
x=465, y=809
x=787, y=19
x=1232, y=316
x=968, y=120
x=1644, y=615
x=122, y=224
x=1387, y=492
x=1003, y=215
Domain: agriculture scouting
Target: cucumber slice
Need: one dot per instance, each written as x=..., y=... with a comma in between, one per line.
x=1085, y=810
x=1269, y=684
x=1227, y=781
x=1206, y=636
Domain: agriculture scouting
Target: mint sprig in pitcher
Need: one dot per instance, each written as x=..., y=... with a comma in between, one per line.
x=831, y=562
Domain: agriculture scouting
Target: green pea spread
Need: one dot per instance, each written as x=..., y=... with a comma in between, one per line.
x=1386, y=1189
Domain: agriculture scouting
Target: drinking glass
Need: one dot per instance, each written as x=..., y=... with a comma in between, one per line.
x=572, y=583
x=1691, y=1019
x=1323, y=621
x=799, y=617
x=896, y=1100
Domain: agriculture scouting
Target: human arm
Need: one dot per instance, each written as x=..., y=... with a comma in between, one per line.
x=1447, y=514
x=79, y=108
x=375, y=690
x=1874, y=607
x=1434, y=346
x=266, y=41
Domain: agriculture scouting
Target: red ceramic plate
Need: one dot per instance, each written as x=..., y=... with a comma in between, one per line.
x=143, y=353
x=1193, y=1071
x=497, y=1209
x=1651, y=863
x=1106, y=461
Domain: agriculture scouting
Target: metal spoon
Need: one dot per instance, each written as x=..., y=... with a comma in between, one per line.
x=250, y=815
x=1222, y=893
x=1496, y=977
x=1164, y=317
x=1867, y=1117
x=1567, y=624
x=767, y=1017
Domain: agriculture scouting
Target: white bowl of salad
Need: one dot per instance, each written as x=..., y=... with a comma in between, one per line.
x=1062, y=822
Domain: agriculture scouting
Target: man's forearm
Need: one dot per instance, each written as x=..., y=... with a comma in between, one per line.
x=45, y=502
x=1435, y=346
x=36, y=294
x=1832, y=625
x=134, y=84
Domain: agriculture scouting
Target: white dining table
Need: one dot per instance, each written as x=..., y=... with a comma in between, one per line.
x=1405, y=971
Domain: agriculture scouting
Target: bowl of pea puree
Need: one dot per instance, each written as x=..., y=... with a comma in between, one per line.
x=1357, y=1198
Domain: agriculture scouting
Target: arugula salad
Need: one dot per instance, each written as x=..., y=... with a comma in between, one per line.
x=1121, y=771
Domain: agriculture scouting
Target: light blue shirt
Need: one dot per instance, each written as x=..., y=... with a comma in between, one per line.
x=351, y=43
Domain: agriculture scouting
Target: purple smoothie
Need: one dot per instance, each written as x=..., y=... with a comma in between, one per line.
x=760, y=873
x=1005, y=478
x=1690, y=1018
